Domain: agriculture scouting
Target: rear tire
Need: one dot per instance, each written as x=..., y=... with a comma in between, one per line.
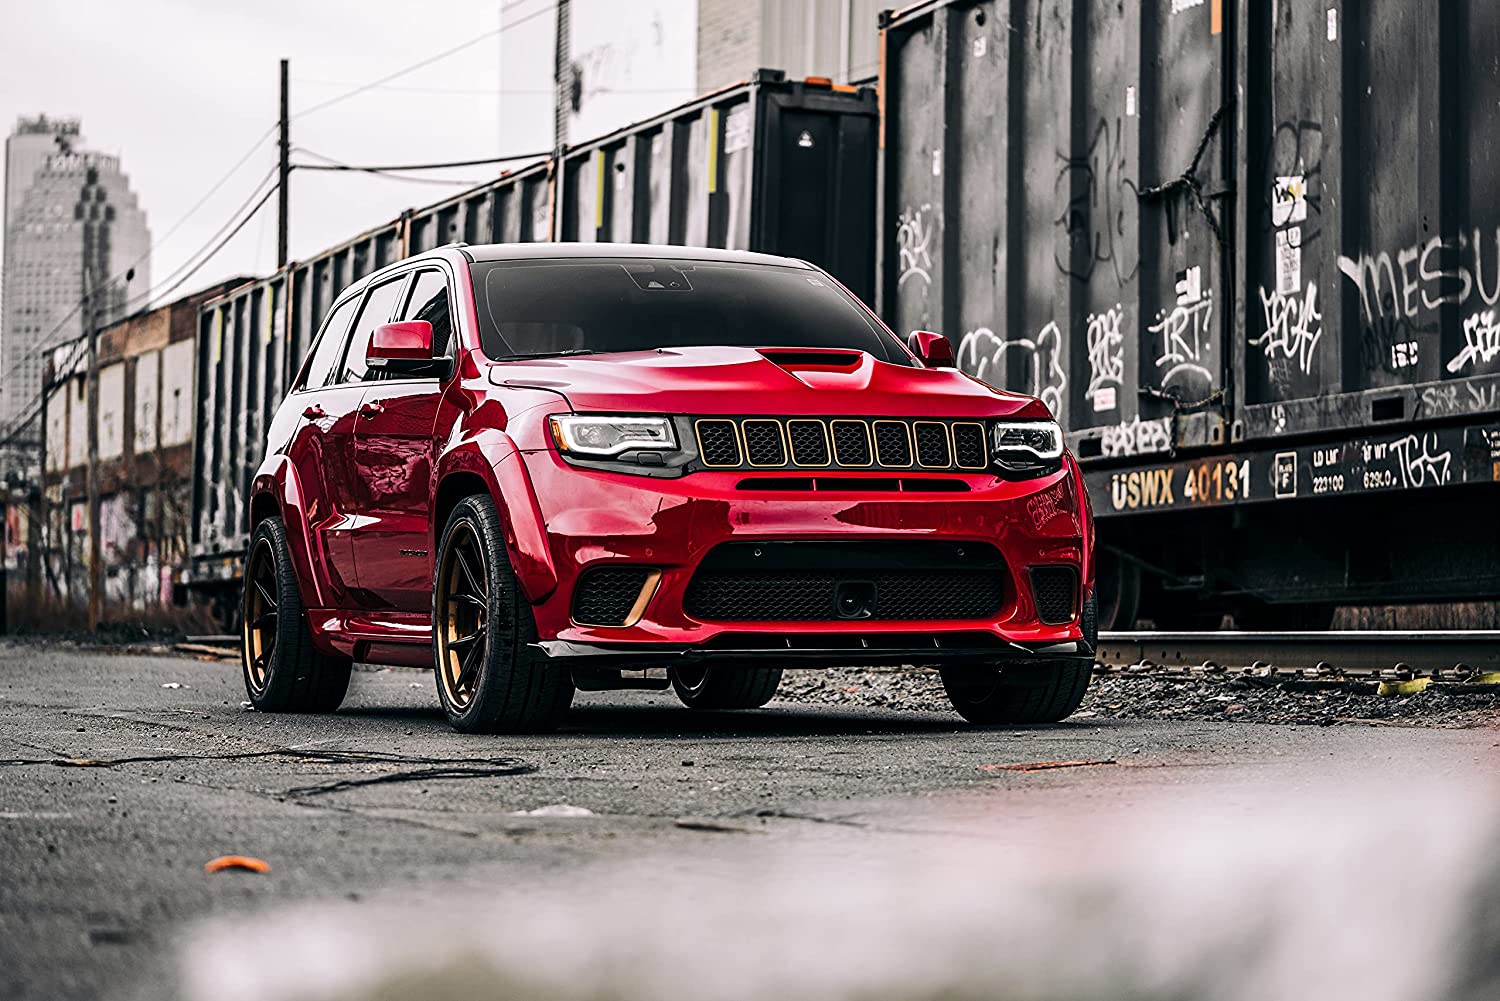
x=1049, y=692
x=283, y=671
x=490, y=679
x=720, y=688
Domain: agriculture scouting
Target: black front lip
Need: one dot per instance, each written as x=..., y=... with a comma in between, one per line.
x=635, y=653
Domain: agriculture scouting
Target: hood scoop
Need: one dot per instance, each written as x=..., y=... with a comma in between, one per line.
x=794, y=358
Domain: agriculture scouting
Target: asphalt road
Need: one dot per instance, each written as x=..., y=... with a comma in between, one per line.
x=801, y=851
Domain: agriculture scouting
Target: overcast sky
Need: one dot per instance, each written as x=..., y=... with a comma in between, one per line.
x=180, y=90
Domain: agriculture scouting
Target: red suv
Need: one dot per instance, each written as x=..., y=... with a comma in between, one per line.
x=547, y=467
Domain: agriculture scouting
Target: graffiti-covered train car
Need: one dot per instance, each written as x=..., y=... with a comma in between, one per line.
x=1248, y=252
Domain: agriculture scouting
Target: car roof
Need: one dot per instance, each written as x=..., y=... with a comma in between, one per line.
x=647, y=251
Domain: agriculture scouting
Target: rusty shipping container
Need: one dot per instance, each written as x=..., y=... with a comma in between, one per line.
x=1248, y=253
x=772, y=165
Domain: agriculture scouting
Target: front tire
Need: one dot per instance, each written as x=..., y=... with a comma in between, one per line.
x=490, y=679
x=1035, y=693
x=283, y=671
x=720, y=688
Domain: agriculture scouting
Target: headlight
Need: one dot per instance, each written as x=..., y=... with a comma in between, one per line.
x=1025, y=441
x=605, y=436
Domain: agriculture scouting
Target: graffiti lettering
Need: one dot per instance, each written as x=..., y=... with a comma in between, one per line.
x=1459, y=398
x=1420, y=462
x=1137, y=437
x=1100, y=200
x=983, y=355
x=1106, y=356
x=1186, y=342
x=1481, y=341
x=1293, y=327
x=1395, y=291
x=913, y=242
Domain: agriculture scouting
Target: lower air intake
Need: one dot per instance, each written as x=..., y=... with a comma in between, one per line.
x=1055, y=591
x=605, y=596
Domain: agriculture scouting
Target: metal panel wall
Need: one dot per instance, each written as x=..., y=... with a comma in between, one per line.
x=1189, y=223
x=1040, y=161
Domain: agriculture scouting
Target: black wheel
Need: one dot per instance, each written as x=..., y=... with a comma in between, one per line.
x=725, y=687
x=284, y=672
x=489, y=677
x=1049, y=692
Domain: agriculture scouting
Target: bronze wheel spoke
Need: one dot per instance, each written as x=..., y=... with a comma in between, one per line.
x=463, y=597
x=265, y=595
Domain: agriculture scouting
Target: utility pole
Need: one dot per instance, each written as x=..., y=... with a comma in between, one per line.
x=94, y=218
x=284, y=172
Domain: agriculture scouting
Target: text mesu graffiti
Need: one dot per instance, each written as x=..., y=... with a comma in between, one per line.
x=1397, y=290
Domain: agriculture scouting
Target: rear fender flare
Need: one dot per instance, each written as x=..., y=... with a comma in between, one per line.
x=492, y=456
x=278, y=478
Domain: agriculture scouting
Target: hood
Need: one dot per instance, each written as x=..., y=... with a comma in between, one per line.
x=773, y=381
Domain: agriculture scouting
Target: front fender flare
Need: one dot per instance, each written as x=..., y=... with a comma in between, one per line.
x=492, y=456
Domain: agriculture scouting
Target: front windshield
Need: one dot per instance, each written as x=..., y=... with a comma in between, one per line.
x=554, y=307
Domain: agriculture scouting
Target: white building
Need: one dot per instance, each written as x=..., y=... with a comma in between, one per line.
x=70, y=217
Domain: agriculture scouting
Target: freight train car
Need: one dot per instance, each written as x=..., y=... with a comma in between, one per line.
x=784, y=167
x=1248, y=252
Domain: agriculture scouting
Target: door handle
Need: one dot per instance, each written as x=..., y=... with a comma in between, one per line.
x=314, y=412
x=369, y=410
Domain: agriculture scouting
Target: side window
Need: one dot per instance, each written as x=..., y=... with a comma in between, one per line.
x=379, y=303
x=326, y=352
x=429, y=301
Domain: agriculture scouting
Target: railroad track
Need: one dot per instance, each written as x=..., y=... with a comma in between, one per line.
x=1393, y=658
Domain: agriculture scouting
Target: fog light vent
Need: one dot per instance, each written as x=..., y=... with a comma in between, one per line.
x=1055, y=591
x=609, y=596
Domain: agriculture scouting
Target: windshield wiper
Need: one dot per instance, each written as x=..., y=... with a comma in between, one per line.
x=547, y=354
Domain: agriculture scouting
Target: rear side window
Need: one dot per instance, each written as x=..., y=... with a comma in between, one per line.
x=429, y=301
x=326, y=352
x=379, y=304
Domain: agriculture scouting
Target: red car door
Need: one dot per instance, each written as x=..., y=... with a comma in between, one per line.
x=323, y=417
x=348, y=493
x=394, y=448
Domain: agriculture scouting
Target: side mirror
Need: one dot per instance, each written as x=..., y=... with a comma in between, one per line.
x=933, y=348
x=401, y=347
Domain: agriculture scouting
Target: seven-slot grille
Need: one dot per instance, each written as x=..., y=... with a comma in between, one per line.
x=840, y=442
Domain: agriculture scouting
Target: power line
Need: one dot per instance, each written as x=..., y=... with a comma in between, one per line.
x=362, y=88
x=339, y=165
x=222, y=243
x=336, y=165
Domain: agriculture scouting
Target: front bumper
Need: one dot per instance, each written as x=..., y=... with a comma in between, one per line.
x=600, y=518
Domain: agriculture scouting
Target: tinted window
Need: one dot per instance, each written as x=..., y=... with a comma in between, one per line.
x=429, y=301
x=548, y=307
x=326, y=352
x=379, y=303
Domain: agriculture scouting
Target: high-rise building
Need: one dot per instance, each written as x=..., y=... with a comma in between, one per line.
x=72, y=225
